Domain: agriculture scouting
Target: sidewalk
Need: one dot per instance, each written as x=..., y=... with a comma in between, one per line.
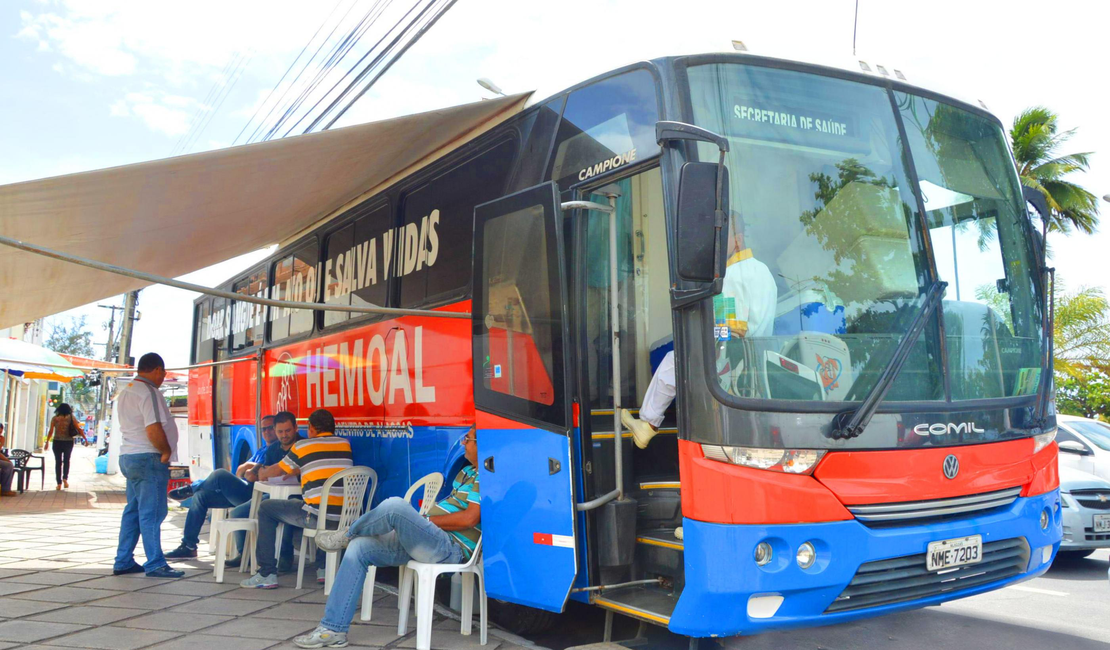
x=57, y=589
x=87, y=489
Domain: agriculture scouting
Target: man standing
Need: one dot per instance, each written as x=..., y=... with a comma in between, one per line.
x=149, y=436
x=7, y=471
x=222, y=489
x=391, y=535
x=316, y=459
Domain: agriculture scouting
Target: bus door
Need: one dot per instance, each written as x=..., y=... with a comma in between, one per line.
x=522, y=399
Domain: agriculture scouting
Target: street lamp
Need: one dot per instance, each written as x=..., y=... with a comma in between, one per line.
x=1106, y=197
x=490, y=86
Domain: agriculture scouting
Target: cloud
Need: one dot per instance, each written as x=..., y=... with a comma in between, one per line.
x=161, y=112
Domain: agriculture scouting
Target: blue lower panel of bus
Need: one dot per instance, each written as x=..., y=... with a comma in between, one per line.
x=726, y=593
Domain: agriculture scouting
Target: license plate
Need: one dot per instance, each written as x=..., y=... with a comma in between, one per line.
x=1102, y=523
x=950, y=553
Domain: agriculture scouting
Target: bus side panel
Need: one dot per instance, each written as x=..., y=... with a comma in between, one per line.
x=401, y=391
x=201, y=460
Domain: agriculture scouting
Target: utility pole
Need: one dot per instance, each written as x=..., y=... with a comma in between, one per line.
x=129, y=319
x=102, y=402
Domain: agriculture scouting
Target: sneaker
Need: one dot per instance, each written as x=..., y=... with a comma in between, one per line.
x=322, y=637
x=259, y=581
x=9, y=493
x=181, y=493
x=332, y=540
x=285, y=565
x=165, y=572
x=182, y=552
x=642, y=432
x=65, y=483
x=321, y=576
x=134, y=568
x=233, y=563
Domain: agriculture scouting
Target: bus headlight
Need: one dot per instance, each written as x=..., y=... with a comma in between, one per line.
x=1042, y=440
x=806, y=555
x=1044, y=519
x=763, y=553
x=790, y=461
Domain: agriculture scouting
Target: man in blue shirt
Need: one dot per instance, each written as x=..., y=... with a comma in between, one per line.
x=222, y=489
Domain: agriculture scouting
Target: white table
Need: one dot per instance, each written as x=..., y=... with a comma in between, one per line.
x=277, y=489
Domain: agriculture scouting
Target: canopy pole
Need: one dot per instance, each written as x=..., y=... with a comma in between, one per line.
x=219, y=293
x=84, y=369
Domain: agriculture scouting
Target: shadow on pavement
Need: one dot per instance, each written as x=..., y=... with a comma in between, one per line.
x=1087, y=569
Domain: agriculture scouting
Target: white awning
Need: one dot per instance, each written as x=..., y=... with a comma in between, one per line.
x=174, y=216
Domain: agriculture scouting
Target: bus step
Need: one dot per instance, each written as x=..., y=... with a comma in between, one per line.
x=660, y=553
x=645, y=603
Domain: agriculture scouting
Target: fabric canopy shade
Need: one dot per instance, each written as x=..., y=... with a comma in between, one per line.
x=35, y=362
x=174, y=216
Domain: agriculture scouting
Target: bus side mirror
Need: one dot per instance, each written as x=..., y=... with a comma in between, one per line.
x=701, y=250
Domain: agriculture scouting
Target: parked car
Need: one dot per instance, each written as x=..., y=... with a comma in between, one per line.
x=1085, y=501
x=1084, y=445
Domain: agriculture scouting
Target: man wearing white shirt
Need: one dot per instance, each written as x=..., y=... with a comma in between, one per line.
x=148, y=439
x=750, y=285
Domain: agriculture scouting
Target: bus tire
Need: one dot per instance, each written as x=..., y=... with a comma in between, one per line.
x=521, y=619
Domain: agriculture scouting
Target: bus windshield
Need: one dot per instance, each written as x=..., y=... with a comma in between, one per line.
x=834, y=235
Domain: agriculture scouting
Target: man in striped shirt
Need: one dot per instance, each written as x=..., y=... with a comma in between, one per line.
x=316, y=459
x=392, y=534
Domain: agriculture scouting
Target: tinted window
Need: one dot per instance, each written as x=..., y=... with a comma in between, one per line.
x=538, y=130
x=247, y=318
x=202, y=339
x=294, y=280
x=607, y=125
x=356, y=258
x=219, y=321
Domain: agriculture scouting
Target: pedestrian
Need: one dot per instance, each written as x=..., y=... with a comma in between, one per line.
x=148, y=438
x=64, y=430
x=7, y=470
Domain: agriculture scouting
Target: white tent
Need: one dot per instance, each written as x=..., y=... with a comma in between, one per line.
x=174, y=216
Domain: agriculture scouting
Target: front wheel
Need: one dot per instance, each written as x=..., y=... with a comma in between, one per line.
x=521, y=619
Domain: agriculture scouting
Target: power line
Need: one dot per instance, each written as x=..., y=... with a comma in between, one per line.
x=216, y=85
x=236, y=75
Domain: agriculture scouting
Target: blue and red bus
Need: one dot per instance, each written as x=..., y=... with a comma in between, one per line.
x=888, y=445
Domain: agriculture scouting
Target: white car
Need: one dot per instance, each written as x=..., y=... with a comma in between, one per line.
x=1084, y=445
x=1085, y=502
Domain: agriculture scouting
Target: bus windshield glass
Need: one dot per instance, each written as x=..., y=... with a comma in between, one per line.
x=829, y=251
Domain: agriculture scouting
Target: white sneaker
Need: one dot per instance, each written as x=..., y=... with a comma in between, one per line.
x=259, y=581
x=642, y=432
x=322, y=637
x=332, y=540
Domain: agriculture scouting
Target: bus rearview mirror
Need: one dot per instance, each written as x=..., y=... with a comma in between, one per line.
x=701, y=247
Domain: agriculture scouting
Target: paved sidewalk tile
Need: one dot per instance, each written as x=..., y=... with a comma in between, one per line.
x=124, y=583
x=14, y=607
x=272, y=595
x=143, y=600
x=114, y=638
x=261, y=628
x=86, y=615
x=220, y=605
x=68, y=594
x=192, y=588
x=446, y=636
x=31, y=631
x=175, y=621
x=12, y=588
x=11, y=573
x=374, y=635
x=206, y=642
x=295, y=612
x=51, y=578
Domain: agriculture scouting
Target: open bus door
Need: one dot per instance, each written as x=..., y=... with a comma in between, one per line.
x=522, y=399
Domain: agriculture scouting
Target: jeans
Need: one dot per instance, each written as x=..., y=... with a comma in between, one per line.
x=290, y=512
x=147, y=480
x=221, y=489
x=389, y=535
x=63, y=451
x=7, y=471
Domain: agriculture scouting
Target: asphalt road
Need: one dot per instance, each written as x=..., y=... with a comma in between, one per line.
x=1069, y=607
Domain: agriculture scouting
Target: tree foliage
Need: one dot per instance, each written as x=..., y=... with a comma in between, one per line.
x=72, y=338
x=1087, y=396
x=1036, y=140
x=1082, y=332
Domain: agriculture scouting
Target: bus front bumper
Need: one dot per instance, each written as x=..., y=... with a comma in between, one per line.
x=726, y=593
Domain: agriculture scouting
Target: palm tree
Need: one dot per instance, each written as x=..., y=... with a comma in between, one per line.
x=1035, y=141
x=1082, y=332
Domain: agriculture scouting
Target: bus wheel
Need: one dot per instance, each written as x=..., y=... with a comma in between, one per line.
x=520, y=619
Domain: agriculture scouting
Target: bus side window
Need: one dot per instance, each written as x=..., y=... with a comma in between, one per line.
x=247, y=318
x=202, y=345
x=434, y=244
x=294, y=279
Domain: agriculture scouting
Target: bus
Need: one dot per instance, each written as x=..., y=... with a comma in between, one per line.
x=883, y=442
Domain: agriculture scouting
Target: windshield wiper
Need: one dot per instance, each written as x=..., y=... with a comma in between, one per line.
x=850, y=424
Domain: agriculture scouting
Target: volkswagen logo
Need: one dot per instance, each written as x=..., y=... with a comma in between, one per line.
x=951, y=467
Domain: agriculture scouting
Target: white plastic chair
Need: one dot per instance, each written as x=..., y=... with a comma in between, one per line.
x=423, y=576
x=355, y=494
x=226, y=537
x=431, y=484
x=216, y=515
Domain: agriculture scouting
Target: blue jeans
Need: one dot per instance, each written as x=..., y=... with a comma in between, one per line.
x=221, y=489
x=389, y=535
x=147, y=480
x=290, y=512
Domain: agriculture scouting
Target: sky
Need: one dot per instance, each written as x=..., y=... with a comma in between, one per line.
x=88, y=84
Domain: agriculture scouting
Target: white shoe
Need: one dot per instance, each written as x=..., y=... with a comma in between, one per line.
x=259, y=581
x=322, y=637
x=642, y=432
x=678, y=533
x=332, y=540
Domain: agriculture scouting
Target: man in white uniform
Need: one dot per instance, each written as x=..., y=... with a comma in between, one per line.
x=752, y=287
x=148, y=438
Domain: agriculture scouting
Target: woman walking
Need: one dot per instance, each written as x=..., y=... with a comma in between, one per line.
x=63, y=429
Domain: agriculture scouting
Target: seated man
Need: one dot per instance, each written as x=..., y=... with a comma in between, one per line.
x=222, y=489
x=7, y=470
x=315, y=460
x=752, y=287
x=392, y=534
